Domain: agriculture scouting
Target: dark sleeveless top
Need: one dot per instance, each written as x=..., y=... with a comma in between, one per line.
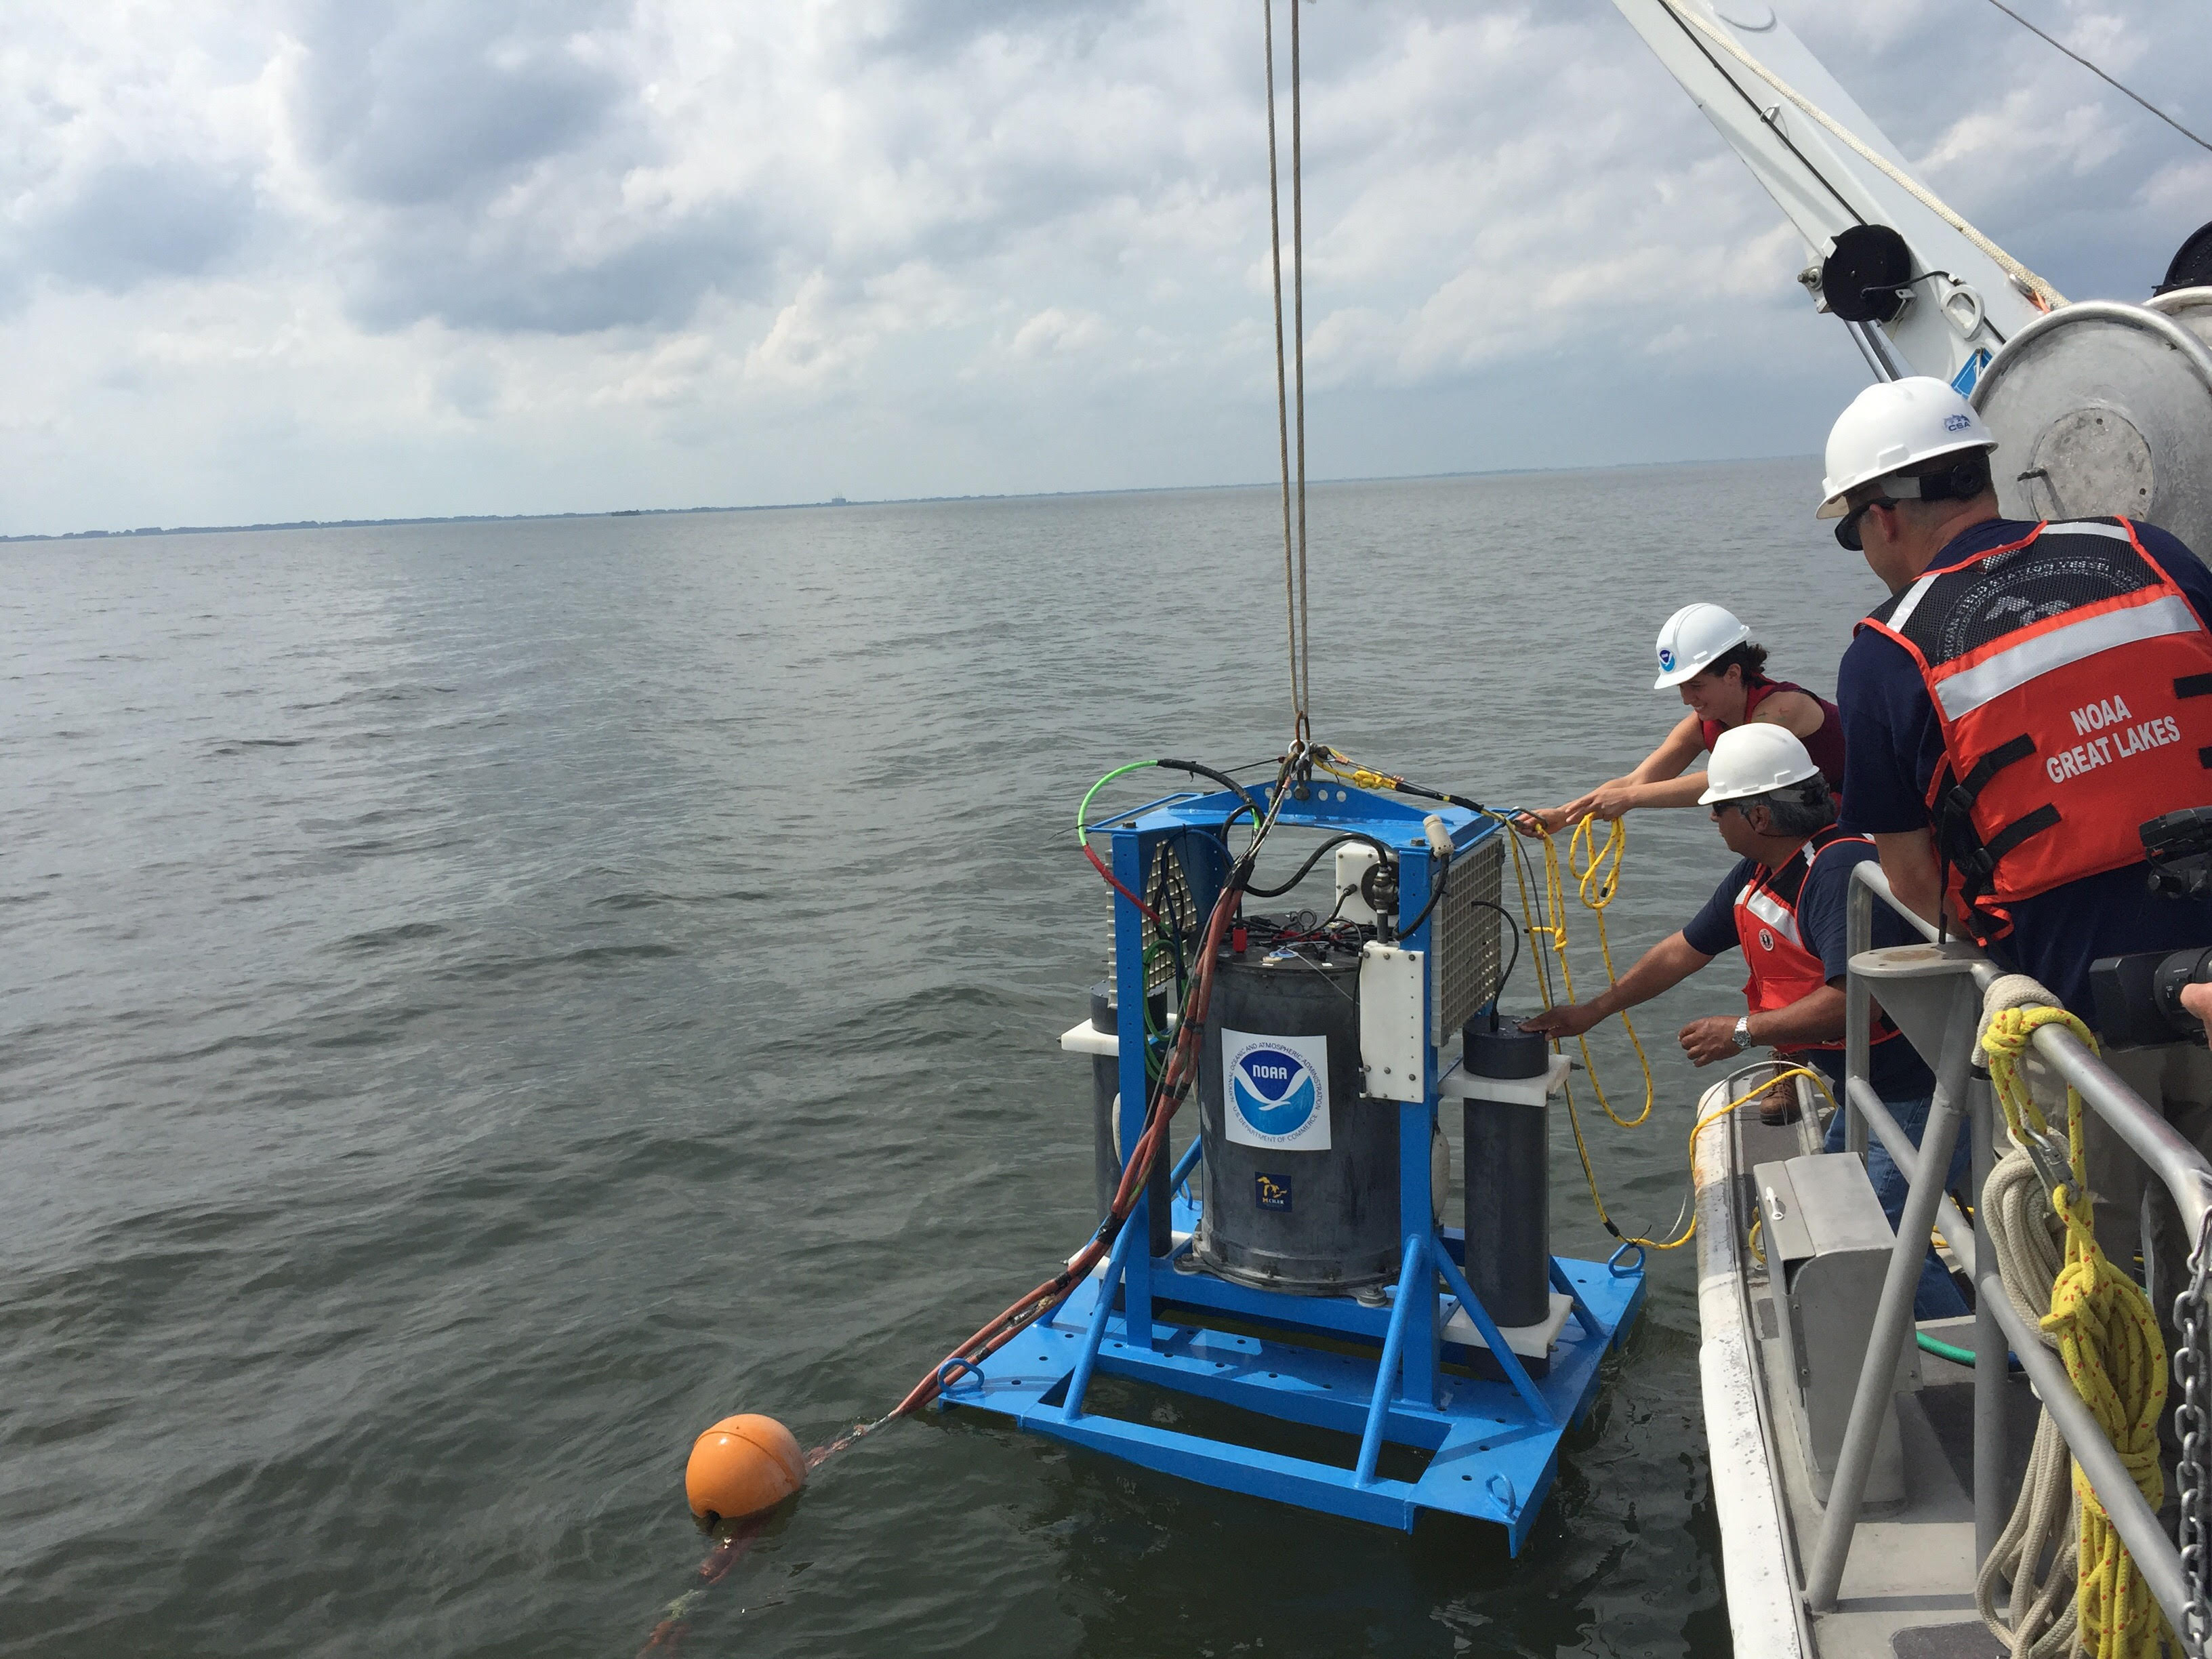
x=1826, y=745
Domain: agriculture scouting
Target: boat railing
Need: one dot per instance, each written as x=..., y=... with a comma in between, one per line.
x=1935, y=994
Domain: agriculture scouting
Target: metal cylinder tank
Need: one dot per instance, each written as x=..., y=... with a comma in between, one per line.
x=2102, y=408
x=1105, y=1125
x=1301, y=1172
x=1508, y=1209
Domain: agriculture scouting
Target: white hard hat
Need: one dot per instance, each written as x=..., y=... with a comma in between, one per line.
x=1750, y=760
x=1692, y=637
x=1891, y=427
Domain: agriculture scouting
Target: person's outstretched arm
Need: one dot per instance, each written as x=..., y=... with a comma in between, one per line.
x=1661, y=968
x=1657, y=781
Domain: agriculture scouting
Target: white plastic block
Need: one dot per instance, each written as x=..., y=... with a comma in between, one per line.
x=1393, y=1022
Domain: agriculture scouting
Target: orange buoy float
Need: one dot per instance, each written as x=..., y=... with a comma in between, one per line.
x=741, y=1466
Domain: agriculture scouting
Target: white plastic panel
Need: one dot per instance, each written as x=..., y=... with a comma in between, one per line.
x=1392, y=1028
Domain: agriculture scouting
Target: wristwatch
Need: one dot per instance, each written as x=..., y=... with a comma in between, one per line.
x=1742, y=1032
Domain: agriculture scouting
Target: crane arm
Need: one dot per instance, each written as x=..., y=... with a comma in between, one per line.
x=1767, y=93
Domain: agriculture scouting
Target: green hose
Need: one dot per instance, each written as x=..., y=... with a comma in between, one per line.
x=1082, y=812
x=1957, y=1356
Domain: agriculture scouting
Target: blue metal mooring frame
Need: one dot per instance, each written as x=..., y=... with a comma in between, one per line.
x=1491, y=1429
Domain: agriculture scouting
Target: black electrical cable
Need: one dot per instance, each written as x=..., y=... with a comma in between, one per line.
x=1955, y=282
x=1420, y=791
x=1166, y=903
x=1306, y=869
x=1770, y=123
x=1444, y=879
x=1221, y=778
x=2100, y=75
x=1511, y=962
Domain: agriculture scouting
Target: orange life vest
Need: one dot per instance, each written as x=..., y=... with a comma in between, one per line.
x=1784, y=969
x=2073, y=682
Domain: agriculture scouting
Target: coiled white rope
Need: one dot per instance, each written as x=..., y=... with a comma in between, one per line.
x=2039, y=1617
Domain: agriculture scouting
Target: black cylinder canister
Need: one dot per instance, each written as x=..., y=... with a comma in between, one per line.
x=1105, y=1136
x=1301, y=1171
x=1509, y=1190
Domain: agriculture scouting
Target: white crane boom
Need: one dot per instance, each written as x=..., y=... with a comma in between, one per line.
x=1965, y=301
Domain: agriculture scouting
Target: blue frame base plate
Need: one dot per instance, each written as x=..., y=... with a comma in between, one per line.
x=1493, y=1458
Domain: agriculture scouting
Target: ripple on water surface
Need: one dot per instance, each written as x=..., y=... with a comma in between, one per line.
x=481, y=1002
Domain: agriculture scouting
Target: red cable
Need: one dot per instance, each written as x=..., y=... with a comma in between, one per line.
x=1099, y=865
x=1174, y=1076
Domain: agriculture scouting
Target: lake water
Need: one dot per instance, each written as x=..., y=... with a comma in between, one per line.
x=480, y=1002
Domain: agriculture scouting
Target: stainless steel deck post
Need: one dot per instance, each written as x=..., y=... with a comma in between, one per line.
x=1893, y=1316
x=1858, y=1014
x=1989, y=1344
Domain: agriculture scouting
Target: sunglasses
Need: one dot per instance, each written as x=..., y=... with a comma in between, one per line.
x=1847, y=527
x=1894, y=490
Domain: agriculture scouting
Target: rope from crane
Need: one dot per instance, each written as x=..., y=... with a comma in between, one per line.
x=1294, y=547
x=2041, y=292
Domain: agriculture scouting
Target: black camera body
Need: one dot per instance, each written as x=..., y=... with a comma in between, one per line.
x=2138, y=997
x=2179, y=844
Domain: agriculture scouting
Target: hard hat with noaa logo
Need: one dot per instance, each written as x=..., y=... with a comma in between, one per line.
x=1692, y=637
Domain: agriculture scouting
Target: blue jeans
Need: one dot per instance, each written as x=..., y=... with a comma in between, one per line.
x=1937, y=1297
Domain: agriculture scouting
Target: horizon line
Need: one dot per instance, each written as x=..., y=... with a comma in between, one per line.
x=840, y=500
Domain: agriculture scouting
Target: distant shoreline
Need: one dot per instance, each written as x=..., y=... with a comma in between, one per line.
x=836, y=501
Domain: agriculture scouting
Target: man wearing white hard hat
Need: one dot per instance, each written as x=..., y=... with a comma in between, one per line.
x=1707, y=657
x=1786, y=906
x=2028, y=696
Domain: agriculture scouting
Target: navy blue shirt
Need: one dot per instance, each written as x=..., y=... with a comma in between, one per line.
x=1823, y=923
x=1892, y=746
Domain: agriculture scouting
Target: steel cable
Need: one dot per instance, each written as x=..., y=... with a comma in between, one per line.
x=1295, y=606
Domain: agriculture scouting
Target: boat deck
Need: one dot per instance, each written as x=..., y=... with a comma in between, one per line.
x=1908, y=1589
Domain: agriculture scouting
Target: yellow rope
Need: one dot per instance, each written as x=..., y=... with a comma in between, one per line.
x=1690, y=1230
x=1596, y=866
x=1598, y=880
x=2108, y=1336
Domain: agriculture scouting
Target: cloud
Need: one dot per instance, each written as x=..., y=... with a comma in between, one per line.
x=1055, y=332
x=544, y=255
x=128, y=221
x=490, y=167
x=403, y=105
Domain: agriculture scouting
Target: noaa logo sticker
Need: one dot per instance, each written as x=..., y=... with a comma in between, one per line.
x=1276, y=1092
x=1766, y=939
x=1667, y=659
x=1956, y=422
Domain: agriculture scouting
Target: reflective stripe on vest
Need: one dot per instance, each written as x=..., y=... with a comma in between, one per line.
x=2038, y=655
x=2073, y=682
x=1784, y=970
x=1771, y=911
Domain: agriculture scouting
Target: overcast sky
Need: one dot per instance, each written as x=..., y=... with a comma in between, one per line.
x=319, y=258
